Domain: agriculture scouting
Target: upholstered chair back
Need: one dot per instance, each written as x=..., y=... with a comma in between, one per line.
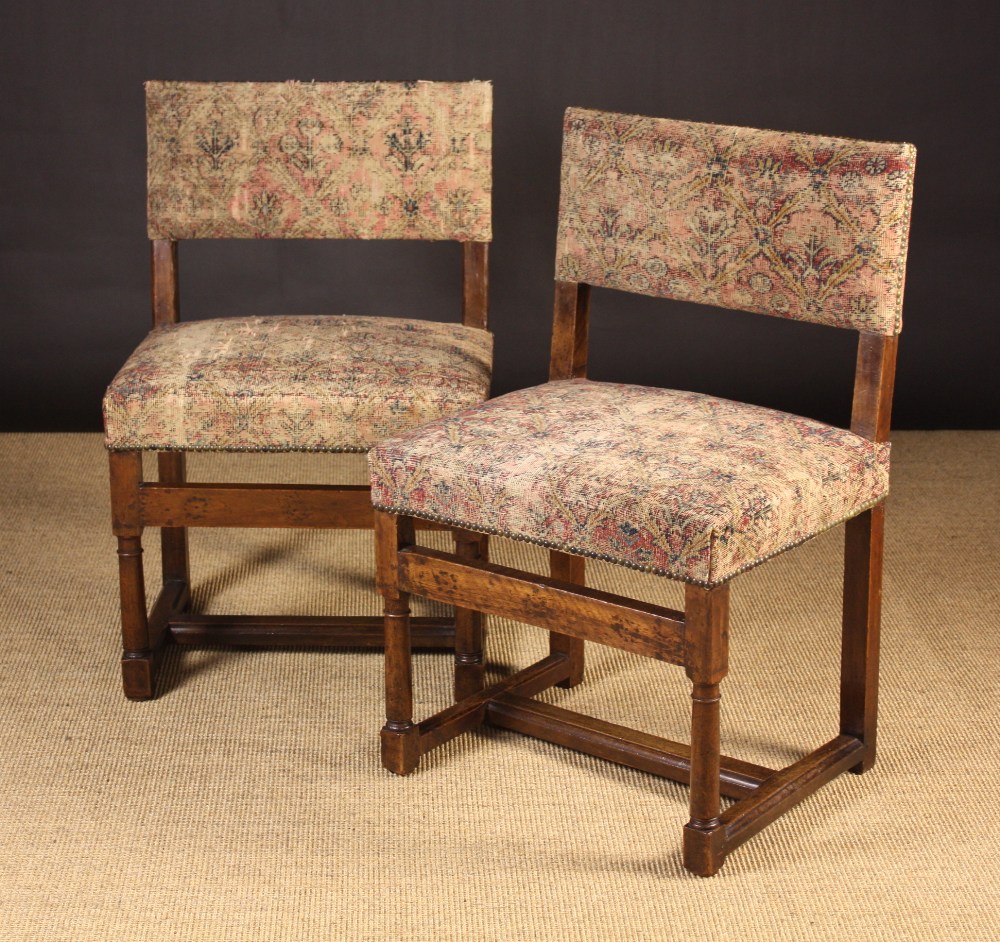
x=793, y=225
x=354, y=160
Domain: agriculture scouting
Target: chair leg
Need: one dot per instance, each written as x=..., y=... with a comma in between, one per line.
x=859, y=665
x=138, y=672
x=569, y=569
x=174, y=540
x=400, y=737
x=469, y=666
x=703, y=834
x=706, y=634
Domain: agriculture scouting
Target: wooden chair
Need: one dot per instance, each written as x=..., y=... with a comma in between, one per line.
x=681, y=484
x=290, y=161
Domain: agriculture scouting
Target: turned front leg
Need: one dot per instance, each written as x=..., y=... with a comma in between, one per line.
x=703, y=851
x=400, y=737
x=138, y=674
x=706, y=632
x=137, y=655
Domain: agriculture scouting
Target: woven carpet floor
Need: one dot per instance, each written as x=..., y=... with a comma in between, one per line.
x=248, y=803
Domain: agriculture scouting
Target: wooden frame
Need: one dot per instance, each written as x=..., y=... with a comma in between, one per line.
x=173, y=504
x=696, y=639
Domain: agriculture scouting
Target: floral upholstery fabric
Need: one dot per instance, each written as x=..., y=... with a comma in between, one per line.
x=293, y=383
x=677, y=483
x=798, y=226
x=359, y=160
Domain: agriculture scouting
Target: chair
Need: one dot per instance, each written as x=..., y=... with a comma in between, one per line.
x=290, y=161
x=682, y=484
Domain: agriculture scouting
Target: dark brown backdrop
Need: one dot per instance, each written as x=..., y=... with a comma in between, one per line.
x=73, y=252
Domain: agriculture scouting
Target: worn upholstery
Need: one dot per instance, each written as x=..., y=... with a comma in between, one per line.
x=676, y=483
x=794, y=225
x=356, y=160
x=293, y=383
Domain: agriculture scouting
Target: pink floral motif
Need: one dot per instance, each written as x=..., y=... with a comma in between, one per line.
x=677, y=483
x=794, y=225
x=320, y=160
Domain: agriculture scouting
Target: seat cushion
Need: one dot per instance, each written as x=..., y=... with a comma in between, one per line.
x=677, y=483
x=295, y=383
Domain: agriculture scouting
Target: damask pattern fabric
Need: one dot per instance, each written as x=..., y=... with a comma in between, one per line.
x=794, y=225
x=355, y=160
x=677, y=483
x=293, y=383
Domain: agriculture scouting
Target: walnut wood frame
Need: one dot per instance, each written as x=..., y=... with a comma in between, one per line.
x=173, y=505
x=696, y=639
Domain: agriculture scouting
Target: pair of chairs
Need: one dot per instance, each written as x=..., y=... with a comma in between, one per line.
x=689, y=486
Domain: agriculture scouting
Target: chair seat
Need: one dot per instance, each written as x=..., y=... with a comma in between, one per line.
x=677, y=483
x=297, y=383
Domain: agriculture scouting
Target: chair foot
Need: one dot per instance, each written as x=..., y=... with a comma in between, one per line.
x=576, y=660
x=139, y=677
x=400, y=747
x=704, y=848
x=866, y=763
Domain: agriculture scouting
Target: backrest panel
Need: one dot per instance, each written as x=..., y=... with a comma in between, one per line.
x=794, y=225
x=354, y=160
